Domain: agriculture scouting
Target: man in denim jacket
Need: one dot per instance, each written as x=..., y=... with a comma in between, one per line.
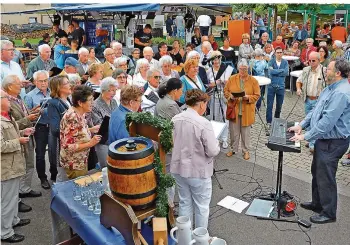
x=278, y=70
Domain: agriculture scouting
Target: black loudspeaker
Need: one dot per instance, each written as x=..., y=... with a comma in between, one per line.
x=56, y=19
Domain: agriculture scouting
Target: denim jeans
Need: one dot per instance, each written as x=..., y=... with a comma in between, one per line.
x=272, y=91
x=262, y=94
x=41, y=136
x=204, y=30
x=309, y=105
x=180, y=32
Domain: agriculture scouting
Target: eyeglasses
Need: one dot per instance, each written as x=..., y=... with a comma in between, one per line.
x=121, y=77
x=313, y=60
x=9, y=49
x=43, y=81
x=157, y=77
x=136, y=53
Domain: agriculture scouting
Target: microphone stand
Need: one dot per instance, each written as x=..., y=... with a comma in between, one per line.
x=223, y=118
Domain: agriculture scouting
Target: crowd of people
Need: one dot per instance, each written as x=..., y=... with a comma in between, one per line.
x=64, y=110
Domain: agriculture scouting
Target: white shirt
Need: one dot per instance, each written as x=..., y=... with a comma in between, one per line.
x=129, y=79
x=12, y=68
x=138, y=80
x=278, y=63
x=154, y=64
x=117, y=96
x=146, y=104
x=204, y=20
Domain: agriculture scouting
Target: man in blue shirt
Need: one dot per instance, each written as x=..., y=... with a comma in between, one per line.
x=39, y=96
x=130, y=101
x=278, y=70
x=59, y=52
x=330, y=127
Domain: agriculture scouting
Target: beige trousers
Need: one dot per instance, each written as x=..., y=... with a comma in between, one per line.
x=238, y=131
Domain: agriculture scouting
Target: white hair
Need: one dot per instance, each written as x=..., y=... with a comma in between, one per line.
x=338, y=43
x=83, y=50
x=140, y=63
x=119, y=61
x=42, y=47
x=107, y=82
x=151, y=72
x=166, y=59
x=36, y=74
x=5, y=43
x=207, y=45
x=73, y=78
x=192, y=54
x=309, y=40
x=116, y=44
x=258, y=52
x=8, y=80
x=105, y=51
x=148, y=49
x=242, y=62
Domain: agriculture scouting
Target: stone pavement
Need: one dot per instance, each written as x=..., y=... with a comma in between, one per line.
x=292, y=110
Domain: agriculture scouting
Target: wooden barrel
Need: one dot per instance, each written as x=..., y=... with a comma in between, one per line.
x=131, y=174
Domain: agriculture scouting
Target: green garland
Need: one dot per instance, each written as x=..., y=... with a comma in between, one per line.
x=164, y=181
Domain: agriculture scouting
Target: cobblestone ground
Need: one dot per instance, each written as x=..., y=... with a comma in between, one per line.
x=293, y=110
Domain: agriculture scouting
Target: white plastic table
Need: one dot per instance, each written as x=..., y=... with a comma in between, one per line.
x=296, y=73
x=289, y=57
x=262, y=80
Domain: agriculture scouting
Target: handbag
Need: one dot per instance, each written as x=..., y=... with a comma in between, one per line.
x=230, y=111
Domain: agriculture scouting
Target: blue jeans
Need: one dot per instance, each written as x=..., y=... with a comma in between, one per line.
x=272, y=91
x=41, y=136
x=180, y=32
x=262, y=94
x=309, y=105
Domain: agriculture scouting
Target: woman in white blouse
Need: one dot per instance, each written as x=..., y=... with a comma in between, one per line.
x=218, y=75
x=122, y=63
x=121, y=77
x=140, y=77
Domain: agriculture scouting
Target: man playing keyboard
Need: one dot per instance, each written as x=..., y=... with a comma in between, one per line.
x=329, y=126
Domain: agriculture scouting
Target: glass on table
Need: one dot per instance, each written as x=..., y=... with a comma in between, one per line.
x=97, y=209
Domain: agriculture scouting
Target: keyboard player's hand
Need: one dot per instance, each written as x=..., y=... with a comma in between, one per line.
x=296, y=129
x=297, y=137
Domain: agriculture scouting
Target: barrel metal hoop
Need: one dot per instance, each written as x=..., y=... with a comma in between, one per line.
x=130, y=171
x=135, y=196
x=143, y=206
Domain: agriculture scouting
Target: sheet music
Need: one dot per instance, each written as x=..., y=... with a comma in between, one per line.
x=226, y=75
x=218, y=128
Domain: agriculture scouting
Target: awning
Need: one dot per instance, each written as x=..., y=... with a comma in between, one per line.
x=32, y=11
x=111, y=7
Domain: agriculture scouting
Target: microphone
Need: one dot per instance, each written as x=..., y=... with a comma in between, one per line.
x=206, y=61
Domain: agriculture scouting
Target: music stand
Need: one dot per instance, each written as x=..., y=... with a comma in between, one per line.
x=218, y=127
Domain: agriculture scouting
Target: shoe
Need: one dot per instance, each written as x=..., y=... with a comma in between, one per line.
x=224, y=144
x=268, y=125
x=246, y=155
x=310, y=206
x=307, y=145
x=312, y=150
x=45, y=184
x=14, y=238
x=321, y=219
x=30, y=194
x=230, y=153
x=345, y=162
x=22, y=222
x=24, y=208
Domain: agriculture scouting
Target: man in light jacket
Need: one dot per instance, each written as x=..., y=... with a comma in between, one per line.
x=195, y=147
x=12, y=169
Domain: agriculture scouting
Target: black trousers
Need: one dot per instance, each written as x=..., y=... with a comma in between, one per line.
x=323, y=169
x=41, y=136
x=204, y=30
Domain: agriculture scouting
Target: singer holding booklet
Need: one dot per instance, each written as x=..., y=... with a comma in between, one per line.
x=218, y=75
x=195, y=146
x=243, y=90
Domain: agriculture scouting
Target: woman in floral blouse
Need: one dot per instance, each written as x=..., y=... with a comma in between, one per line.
x=75, y=135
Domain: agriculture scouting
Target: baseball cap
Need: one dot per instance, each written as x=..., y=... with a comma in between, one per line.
x=70, y=61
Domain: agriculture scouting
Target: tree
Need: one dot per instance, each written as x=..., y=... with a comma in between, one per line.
x=263, y=9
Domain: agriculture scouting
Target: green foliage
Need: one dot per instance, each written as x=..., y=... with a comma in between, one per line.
x=169, y=41
x=164, y=181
